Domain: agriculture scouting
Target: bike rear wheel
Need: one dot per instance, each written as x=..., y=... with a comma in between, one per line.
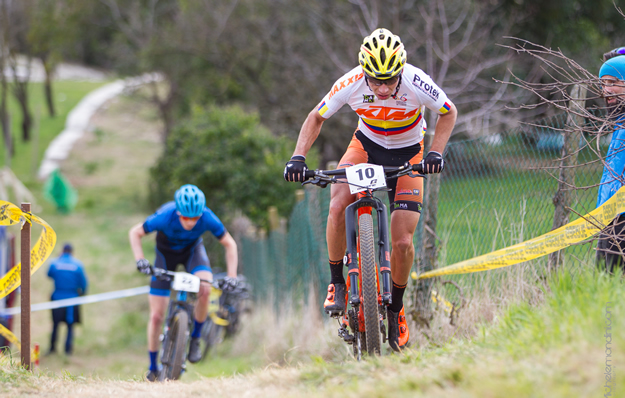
x=213, y=335
x=174, y=346
x=369, y=285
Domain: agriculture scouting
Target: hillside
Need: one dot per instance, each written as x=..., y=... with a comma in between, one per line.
x=553, y=347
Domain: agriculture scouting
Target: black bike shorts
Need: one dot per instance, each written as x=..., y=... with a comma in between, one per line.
x=405, y=193
x=194, y=258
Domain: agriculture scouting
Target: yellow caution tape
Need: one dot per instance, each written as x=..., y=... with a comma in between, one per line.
x=217, y=320
x=34, y=352
x=11, y=215
x=213, y=305
x=436, y=298
x=11, y=337
x=573, y=232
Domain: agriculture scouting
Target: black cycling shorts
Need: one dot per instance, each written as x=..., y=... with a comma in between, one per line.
x=406, y=193
x=194, y=258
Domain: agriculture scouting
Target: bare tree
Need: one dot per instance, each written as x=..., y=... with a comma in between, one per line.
x=140, y=24
x=569, y=86
x=4, y=115
x=17, y=25
x=47, y=37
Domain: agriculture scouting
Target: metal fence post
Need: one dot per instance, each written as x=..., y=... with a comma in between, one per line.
x=25, y=290
x=563, y=198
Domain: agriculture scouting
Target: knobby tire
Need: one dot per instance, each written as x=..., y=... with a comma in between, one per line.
x=213, y=335
x=174, y=347
x=369, y=284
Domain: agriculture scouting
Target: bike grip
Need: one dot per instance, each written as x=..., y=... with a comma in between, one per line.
x=418, y=167
x=308, y=174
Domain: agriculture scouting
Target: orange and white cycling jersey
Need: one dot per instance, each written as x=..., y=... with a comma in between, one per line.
x=397, y=122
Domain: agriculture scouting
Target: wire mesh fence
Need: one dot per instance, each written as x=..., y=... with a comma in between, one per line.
x=495, y=191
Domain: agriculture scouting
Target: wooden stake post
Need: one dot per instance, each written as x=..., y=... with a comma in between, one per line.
x=25, y=292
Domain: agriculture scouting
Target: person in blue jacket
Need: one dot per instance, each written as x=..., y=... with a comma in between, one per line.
x=69, y=281
x=179, y=226
x=611, y=245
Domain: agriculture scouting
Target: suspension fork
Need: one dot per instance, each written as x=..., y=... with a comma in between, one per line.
x=365, y=204
x=351, y=261
x=385, y=256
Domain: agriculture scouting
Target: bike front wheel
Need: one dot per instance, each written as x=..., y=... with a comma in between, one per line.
x=174, y=346
x=369, y=284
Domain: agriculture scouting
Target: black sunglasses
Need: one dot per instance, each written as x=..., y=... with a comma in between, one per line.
x=379, y=82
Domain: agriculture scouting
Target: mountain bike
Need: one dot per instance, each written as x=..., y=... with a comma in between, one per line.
x=368, y=299
x=224, y=312
x=179, y=321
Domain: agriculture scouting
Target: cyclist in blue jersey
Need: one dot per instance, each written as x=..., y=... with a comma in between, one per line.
x=179, y=227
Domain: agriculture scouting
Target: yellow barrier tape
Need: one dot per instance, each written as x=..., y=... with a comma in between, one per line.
x=34, y=353
x=11, y=215
x=573, y=232
x=11, y=337
x=447, y=305
x=213, y=305
x=218, y=321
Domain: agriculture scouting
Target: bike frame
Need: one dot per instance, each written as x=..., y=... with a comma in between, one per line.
x=180, y=302
x=367, y=203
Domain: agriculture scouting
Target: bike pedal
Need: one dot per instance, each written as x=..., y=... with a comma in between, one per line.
x=334, y=313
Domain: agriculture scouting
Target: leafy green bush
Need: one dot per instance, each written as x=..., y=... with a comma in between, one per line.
x=230, y=156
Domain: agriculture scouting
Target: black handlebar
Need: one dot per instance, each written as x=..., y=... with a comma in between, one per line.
x=166, y=275
x=417, y=168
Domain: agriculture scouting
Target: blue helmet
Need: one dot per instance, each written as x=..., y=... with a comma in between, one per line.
x=190, y=201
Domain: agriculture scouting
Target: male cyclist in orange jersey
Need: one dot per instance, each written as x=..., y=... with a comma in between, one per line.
x=390, y=97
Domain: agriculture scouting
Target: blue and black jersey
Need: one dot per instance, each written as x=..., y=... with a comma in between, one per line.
x=172, y=237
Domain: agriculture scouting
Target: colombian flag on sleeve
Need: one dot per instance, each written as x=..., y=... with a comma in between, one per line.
x=445, y=108
x=323, y=108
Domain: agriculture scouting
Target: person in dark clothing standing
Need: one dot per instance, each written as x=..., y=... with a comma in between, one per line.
x=69, y=281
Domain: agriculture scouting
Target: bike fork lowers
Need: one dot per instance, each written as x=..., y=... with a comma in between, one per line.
x=353, y=271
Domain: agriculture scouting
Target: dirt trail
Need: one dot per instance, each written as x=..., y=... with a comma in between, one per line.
x=109, y=167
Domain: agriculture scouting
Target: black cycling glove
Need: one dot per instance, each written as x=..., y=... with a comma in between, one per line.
x=144, y=266
x=229, y=284
x=433, y=163
x=295, y=168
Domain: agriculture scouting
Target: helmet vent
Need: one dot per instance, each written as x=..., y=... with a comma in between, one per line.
x=375, y=63
x=368, y=46
x=382, y=56
x=396, y=45
x=392, y=60
x=375, y=43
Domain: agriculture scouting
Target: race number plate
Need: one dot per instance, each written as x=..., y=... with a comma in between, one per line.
x=365, y=176
x=184, y=282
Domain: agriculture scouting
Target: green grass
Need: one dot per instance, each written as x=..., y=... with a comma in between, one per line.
x=28, y=155
x=556, y=349
x=109, y=169
x=480, y=215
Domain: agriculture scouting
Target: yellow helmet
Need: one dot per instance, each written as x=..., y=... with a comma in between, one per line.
x=382, y=54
